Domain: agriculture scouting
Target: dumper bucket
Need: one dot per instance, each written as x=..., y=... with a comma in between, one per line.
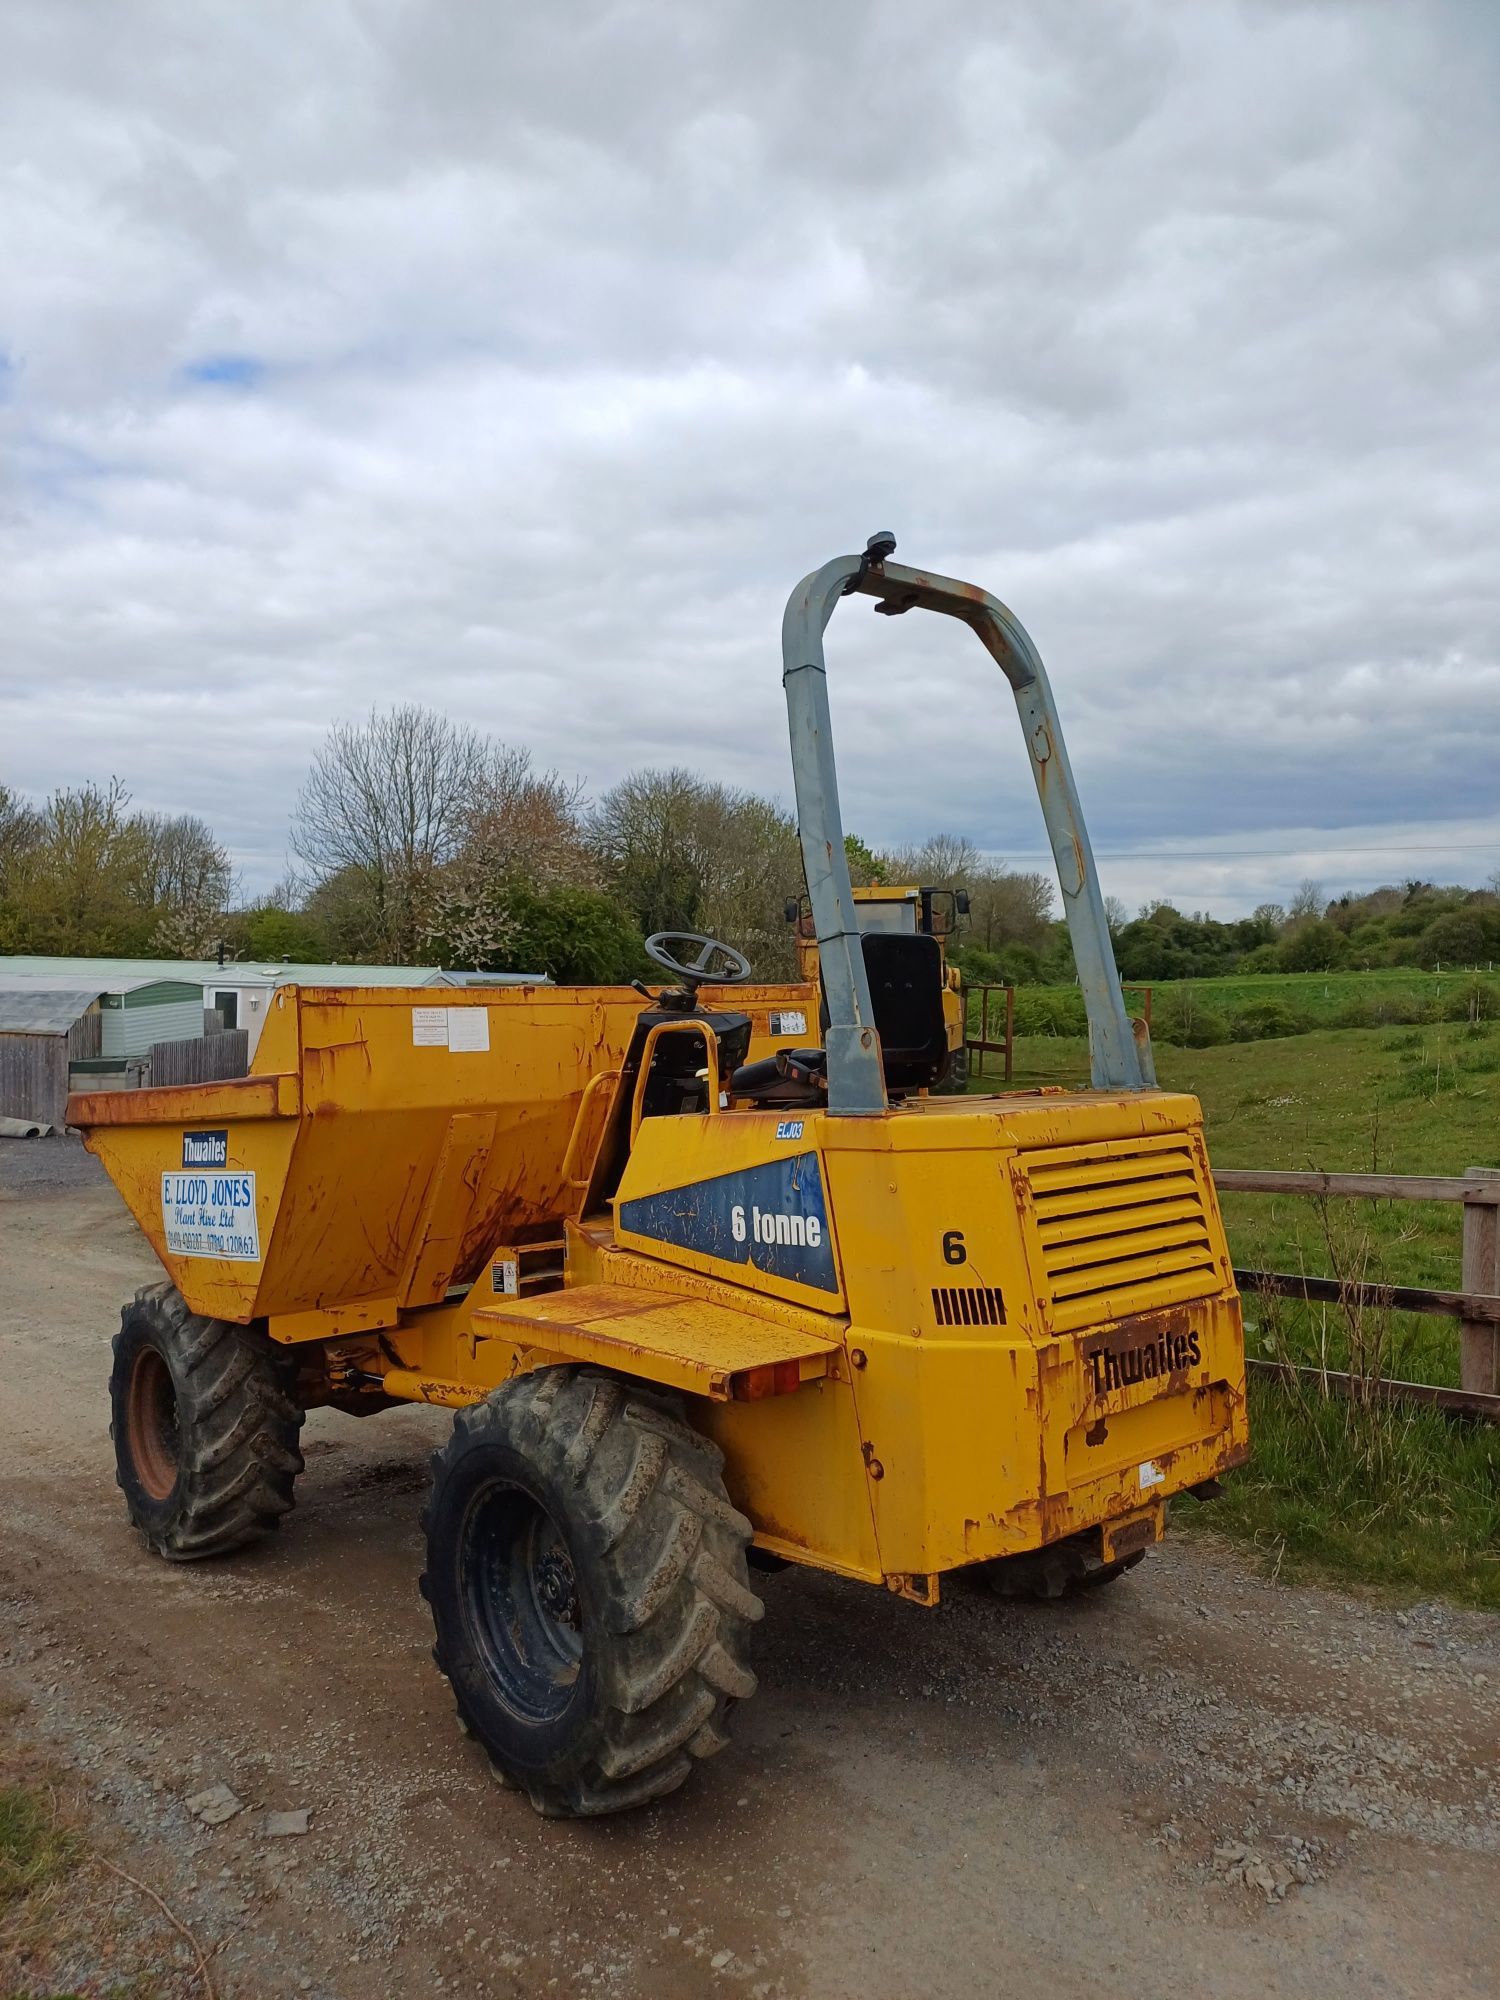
x=379, y=1149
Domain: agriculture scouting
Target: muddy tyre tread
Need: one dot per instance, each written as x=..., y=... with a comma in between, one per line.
x=661, y=1557
x=238, y=1453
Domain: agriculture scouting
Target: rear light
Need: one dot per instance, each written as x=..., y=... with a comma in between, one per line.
x=776, y=1378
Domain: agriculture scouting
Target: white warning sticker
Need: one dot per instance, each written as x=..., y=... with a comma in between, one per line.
x=211, y=1215
x=791, y=1021
x=429, y=1027
x=1151, y=1474
x=469, y=1029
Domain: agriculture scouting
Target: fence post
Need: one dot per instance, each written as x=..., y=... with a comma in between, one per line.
x=1479, y=1340
x=1010, y=1032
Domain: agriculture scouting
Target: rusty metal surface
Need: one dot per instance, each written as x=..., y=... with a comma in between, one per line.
x=687, y=1344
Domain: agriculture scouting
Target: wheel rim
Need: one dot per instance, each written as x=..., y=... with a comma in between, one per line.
x=520, y=1596
x=151, y=1421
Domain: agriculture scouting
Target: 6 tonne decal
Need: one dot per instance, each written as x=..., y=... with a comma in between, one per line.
x=772, y=1217
x=210, y=1215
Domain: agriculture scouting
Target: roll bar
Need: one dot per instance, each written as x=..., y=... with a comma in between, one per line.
x=856, y=1080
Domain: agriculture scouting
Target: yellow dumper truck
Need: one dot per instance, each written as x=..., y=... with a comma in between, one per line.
x=704, y=1293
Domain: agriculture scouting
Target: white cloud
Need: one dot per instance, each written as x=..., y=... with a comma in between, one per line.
x=572, y=337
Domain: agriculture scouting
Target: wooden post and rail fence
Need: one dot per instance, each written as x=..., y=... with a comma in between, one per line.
x=1475, y=1305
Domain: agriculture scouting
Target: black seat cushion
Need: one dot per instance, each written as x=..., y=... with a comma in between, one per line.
x=791, y=1076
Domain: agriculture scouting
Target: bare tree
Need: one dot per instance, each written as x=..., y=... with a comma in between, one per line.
x=1307, y=903
x=945, y=861
x=521, y=831
x=384, y=808
x=527, y=824
x=1007, y=908
x=686, y=855
x=183, y=865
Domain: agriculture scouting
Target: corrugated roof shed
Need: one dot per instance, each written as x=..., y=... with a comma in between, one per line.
x=114, y=975
x=43, y=1010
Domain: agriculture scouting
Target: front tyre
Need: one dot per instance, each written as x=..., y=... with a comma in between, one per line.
x=204, y=1427
x=589, y=1589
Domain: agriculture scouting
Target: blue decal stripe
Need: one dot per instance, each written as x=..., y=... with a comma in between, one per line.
x=772, y=1217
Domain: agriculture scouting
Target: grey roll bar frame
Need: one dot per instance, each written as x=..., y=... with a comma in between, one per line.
x=856, y=1078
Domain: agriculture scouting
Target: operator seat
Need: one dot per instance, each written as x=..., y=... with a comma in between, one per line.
x=905, y=972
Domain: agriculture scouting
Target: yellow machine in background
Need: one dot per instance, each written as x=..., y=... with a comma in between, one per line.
x=904, y=912
x=704, y=1293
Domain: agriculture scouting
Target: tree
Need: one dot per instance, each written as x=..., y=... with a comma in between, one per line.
x=580, y=937
x=685, y=855
x=943, y=861
x=526, y=825
x=20, y=830
x=1307, y=903
x=1314, y=946
x=76, y=887
x=182, y=866
x=866, y=869
x=271, y=931
x=185, y=881
x=385, y=806
x=1461, y=937
x=1009, y=909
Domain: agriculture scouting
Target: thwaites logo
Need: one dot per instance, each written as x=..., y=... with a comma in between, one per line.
x=1121, y=1366
x=205, y=1149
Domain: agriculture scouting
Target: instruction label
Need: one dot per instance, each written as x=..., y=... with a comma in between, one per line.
x=469, y=1029
x=465, y=1030
x=429, y=1027
x=211, y=1215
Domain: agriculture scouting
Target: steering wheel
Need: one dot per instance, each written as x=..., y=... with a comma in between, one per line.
x=697, y=971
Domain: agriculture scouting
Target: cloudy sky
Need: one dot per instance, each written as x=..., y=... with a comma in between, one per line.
x=520, y=359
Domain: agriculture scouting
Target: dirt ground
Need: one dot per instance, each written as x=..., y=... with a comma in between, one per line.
x=1200, y=1781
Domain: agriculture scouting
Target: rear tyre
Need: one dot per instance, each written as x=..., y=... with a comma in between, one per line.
x=589, y=1589
x=204, y=1428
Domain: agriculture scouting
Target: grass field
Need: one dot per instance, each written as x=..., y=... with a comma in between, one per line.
x=1406, y=1498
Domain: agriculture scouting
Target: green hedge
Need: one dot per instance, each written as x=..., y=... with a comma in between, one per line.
x=1189, y=1015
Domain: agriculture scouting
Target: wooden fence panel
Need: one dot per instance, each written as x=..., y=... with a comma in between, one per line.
x=34, y=1077
x=205, y=1059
